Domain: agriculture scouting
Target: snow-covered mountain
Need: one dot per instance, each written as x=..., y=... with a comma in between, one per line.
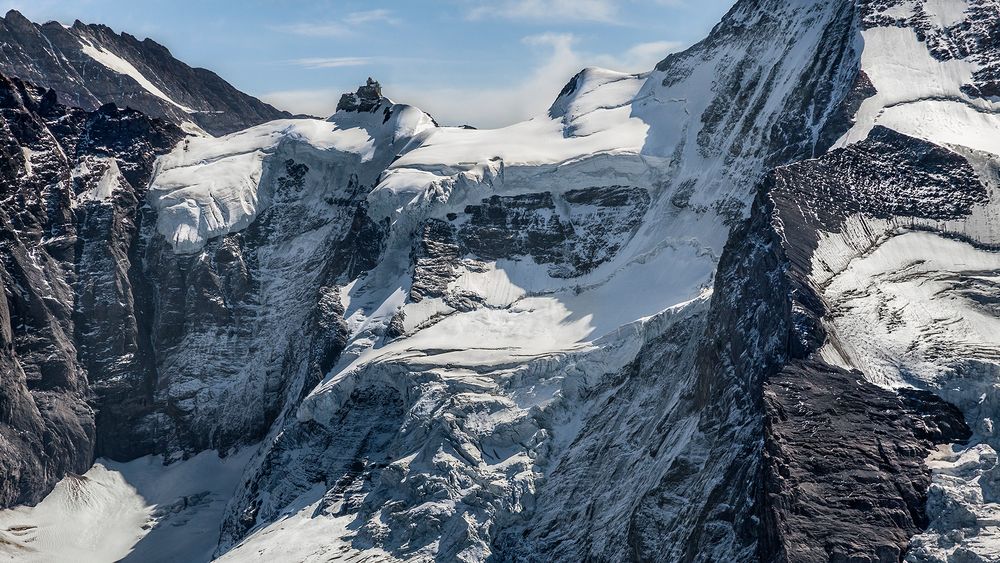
x=91, y=65
x=739, y=308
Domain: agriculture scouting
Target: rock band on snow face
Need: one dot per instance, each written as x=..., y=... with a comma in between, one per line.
x=739, y=307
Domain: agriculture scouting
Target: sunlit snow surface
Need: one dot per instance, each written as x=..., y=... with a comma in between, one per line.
x=477, y=382
x=917, y=308
x=110, y=181
x=121, y=66
x=919, y=95
x=207, y=186
x=139, y=511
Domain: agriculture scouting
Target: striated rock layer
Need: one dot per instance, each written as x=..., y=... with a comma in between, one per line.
x=73, y=183
x=739, y=308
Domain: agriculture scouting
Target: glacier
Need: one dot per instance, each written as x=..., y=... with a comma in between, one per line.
x=740, y=307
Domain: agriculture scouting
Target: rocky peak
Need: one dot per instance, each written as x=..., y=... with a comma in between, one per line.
x=79, y=63
x=578, y=342
x=366, y=99
x=73, y=182
x=13, y=17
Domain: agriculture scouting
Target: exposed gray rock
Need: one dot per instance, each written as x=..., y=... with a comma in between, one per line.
x=366, y=99
x=844, y=466
x=575, y=231
x=246, y=320
x=53, y=56
x=68, y=306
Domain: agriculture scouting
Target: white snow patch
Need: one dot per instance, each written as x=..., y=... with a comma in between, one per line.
x=946, y=122
x=962, y=503
x=27, y=153
x=207, y=187
x=293, y=538
x=494, y=283
x=110, y=182
x=921, y=96
x=121, y=66
x=136, y=511
x=902, y=9
x=531, y=143
x=946, y=13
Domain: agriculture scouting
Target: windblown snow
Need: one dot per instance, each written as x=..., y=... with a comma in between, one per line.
x=121, y=66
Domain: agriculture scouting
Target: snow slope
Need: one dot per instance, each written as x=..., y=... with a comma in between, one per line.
x=924, y=93
x=142, y=510
x=121, y=66
x=461, y=344
x=506, y=279
x=208, y=187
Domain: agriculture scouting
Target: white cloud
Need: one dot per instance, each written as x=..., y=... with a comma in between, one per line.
x=341, y=28
x=639, y=58
x=328, y=29
x=333, y=62
x=380, y=15
x=559, y=59
x=586, y=10
x=319, y=102
x=499, y=106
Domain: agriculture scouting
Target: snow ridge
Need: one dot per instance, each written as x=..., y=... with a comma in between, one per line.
x=425, y=339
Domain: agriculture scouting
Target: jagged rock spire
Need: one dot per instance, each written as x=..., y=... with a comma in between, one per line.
x=367, y=98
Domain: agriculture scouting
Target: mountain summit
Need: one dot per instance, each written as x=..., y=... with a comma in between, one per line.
x=90, y=65
x=742, y=307
x=366, y=98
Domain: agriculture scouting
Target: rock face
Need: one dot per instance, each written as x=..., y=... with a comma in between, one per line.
x=366, y=99
x=91, y=65
x=73, y=182
x=740, y=308
x=844, y=473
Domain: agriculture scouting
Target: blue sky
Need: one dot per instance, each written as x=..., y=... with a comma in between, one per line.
x=483, y=62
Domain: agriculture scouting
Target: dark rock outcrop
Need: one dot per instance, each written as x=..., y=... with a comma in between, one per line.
x=367, y=99
x=573, y=233
x=844, y=474
x=72, y=181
